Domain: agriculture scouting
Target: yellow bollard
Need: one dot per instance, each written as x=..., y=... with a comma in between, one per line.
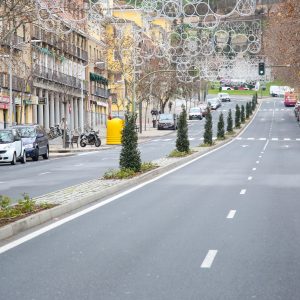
x=114, y=131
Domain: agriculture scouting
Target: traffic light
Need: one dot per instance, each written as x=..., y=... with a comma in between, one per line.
x=261, y=68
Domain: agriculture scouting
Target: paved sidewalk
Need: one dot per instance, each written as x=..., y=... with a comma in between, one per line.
x=56, y=147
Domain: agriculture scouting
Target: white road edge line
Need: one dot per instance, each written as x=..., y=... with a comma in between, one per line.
x=243, y=192
x=209, y=259
x=231, y=214
x=54, y=225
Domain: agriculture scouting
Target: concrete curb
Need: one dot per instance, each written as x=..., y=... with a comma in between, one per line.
x=57, y=211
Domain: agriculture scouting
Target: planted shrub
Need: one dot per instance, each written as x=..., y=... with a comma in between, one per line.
x=221, y=130
x=182, y=141
x=229, y=122
x=208, y=134
x=130, y=157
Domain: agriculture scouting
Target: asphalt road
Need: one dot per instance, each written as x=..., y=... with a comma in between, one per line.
x=38, y=178
x=223, y=227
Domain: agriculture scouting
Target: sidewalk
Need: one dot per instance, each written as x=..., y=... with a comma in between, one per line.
x=56, y=147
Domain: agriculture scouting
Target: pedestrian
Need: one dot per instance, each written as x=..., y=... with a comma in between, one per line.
x=63, y=126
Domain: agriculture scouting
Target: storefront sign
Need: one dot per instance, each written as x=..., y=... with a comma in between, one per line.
x=100, y=103
x=4, y=105
x=4, y=99
x=18, y=101
x=43, y=101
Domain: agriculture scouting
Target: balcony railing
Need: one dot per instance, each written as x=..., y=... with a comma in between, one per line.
x=100, y=92
x=58, y=77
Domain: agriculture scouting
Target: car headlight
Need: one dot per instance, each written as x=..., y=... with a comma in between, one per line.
x=28, y=146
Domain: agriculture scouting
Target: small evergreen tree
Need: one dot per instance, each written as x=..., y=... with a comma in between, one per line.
x=182, y=142
x=130, y=157
x=243, y=114
x=250, y=108
x=208, y=134
x=247, y=111
x=237, y=116
x=253, y=102
x=229, y=122
x=221, y=130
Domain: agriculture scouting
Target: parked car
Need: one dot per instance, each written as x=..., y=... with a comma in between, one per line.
x=167, y=121
x=214, y=103
x=195, y=113
x=224, y=97
x=204, y=108
x=297, y=111
x=227, y=88
x=11, y=147
x=35, y=141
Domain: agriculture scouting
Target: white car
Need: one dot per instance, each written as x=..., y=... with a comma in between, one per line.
x=195, y=113
x=227, y=88
x=224, y=97
x=11, y=147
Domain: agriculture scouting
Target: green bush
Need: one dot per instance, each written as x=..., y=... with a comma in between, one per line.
x=237, y=116
x=130, y=155
x=243, y=114
x=229, y=122
x=208, y=133
x=221, y=130
x=182, y=141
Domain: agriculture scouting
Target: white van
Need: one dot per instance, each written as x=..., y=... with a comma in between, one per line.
x=224, y=97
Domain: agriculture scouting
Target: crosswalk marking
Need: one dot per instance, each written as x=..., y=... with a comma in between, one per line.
x=274, y=139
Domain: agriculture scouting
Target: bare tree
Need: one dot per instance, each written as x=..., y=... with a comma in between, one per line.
x=282, y=41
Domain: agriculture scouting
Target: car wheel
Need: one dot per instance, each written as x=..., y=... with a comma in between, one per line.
x=46, y=155
x=36, y=155
x=23, y=159
x=14, y=160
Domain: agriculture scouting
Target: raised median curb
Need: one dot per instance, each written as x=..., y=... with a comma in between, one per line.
x=60, y=210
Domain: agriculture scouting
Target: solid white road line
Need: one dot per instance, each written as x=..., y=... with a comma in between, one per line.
x=209, y=259
x=44, y=173
x=243, y=192
x=254, y=169
x=87, y=153
x=231, y=214
x=250, y=178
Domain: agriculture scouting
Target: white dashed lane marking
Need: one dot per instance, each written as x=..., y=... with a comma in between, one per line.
x=44, y=173
x=243, y=192
x=254, y=169
x=250, y=178
x=209, y=259
x=231, y=214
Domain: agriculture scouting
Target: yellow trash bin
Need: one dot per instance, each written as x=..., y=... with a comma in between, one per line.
x=114, y=131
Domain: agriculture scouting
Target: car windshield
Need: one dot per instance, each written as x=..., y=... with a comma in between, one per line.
x=195, y=110
x=26, y=132
x=165, y=117
x=6, y=137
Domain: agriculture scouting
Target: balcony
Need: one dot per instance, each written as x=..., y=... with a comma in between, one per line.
x=58, y=77
x=100, y=92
